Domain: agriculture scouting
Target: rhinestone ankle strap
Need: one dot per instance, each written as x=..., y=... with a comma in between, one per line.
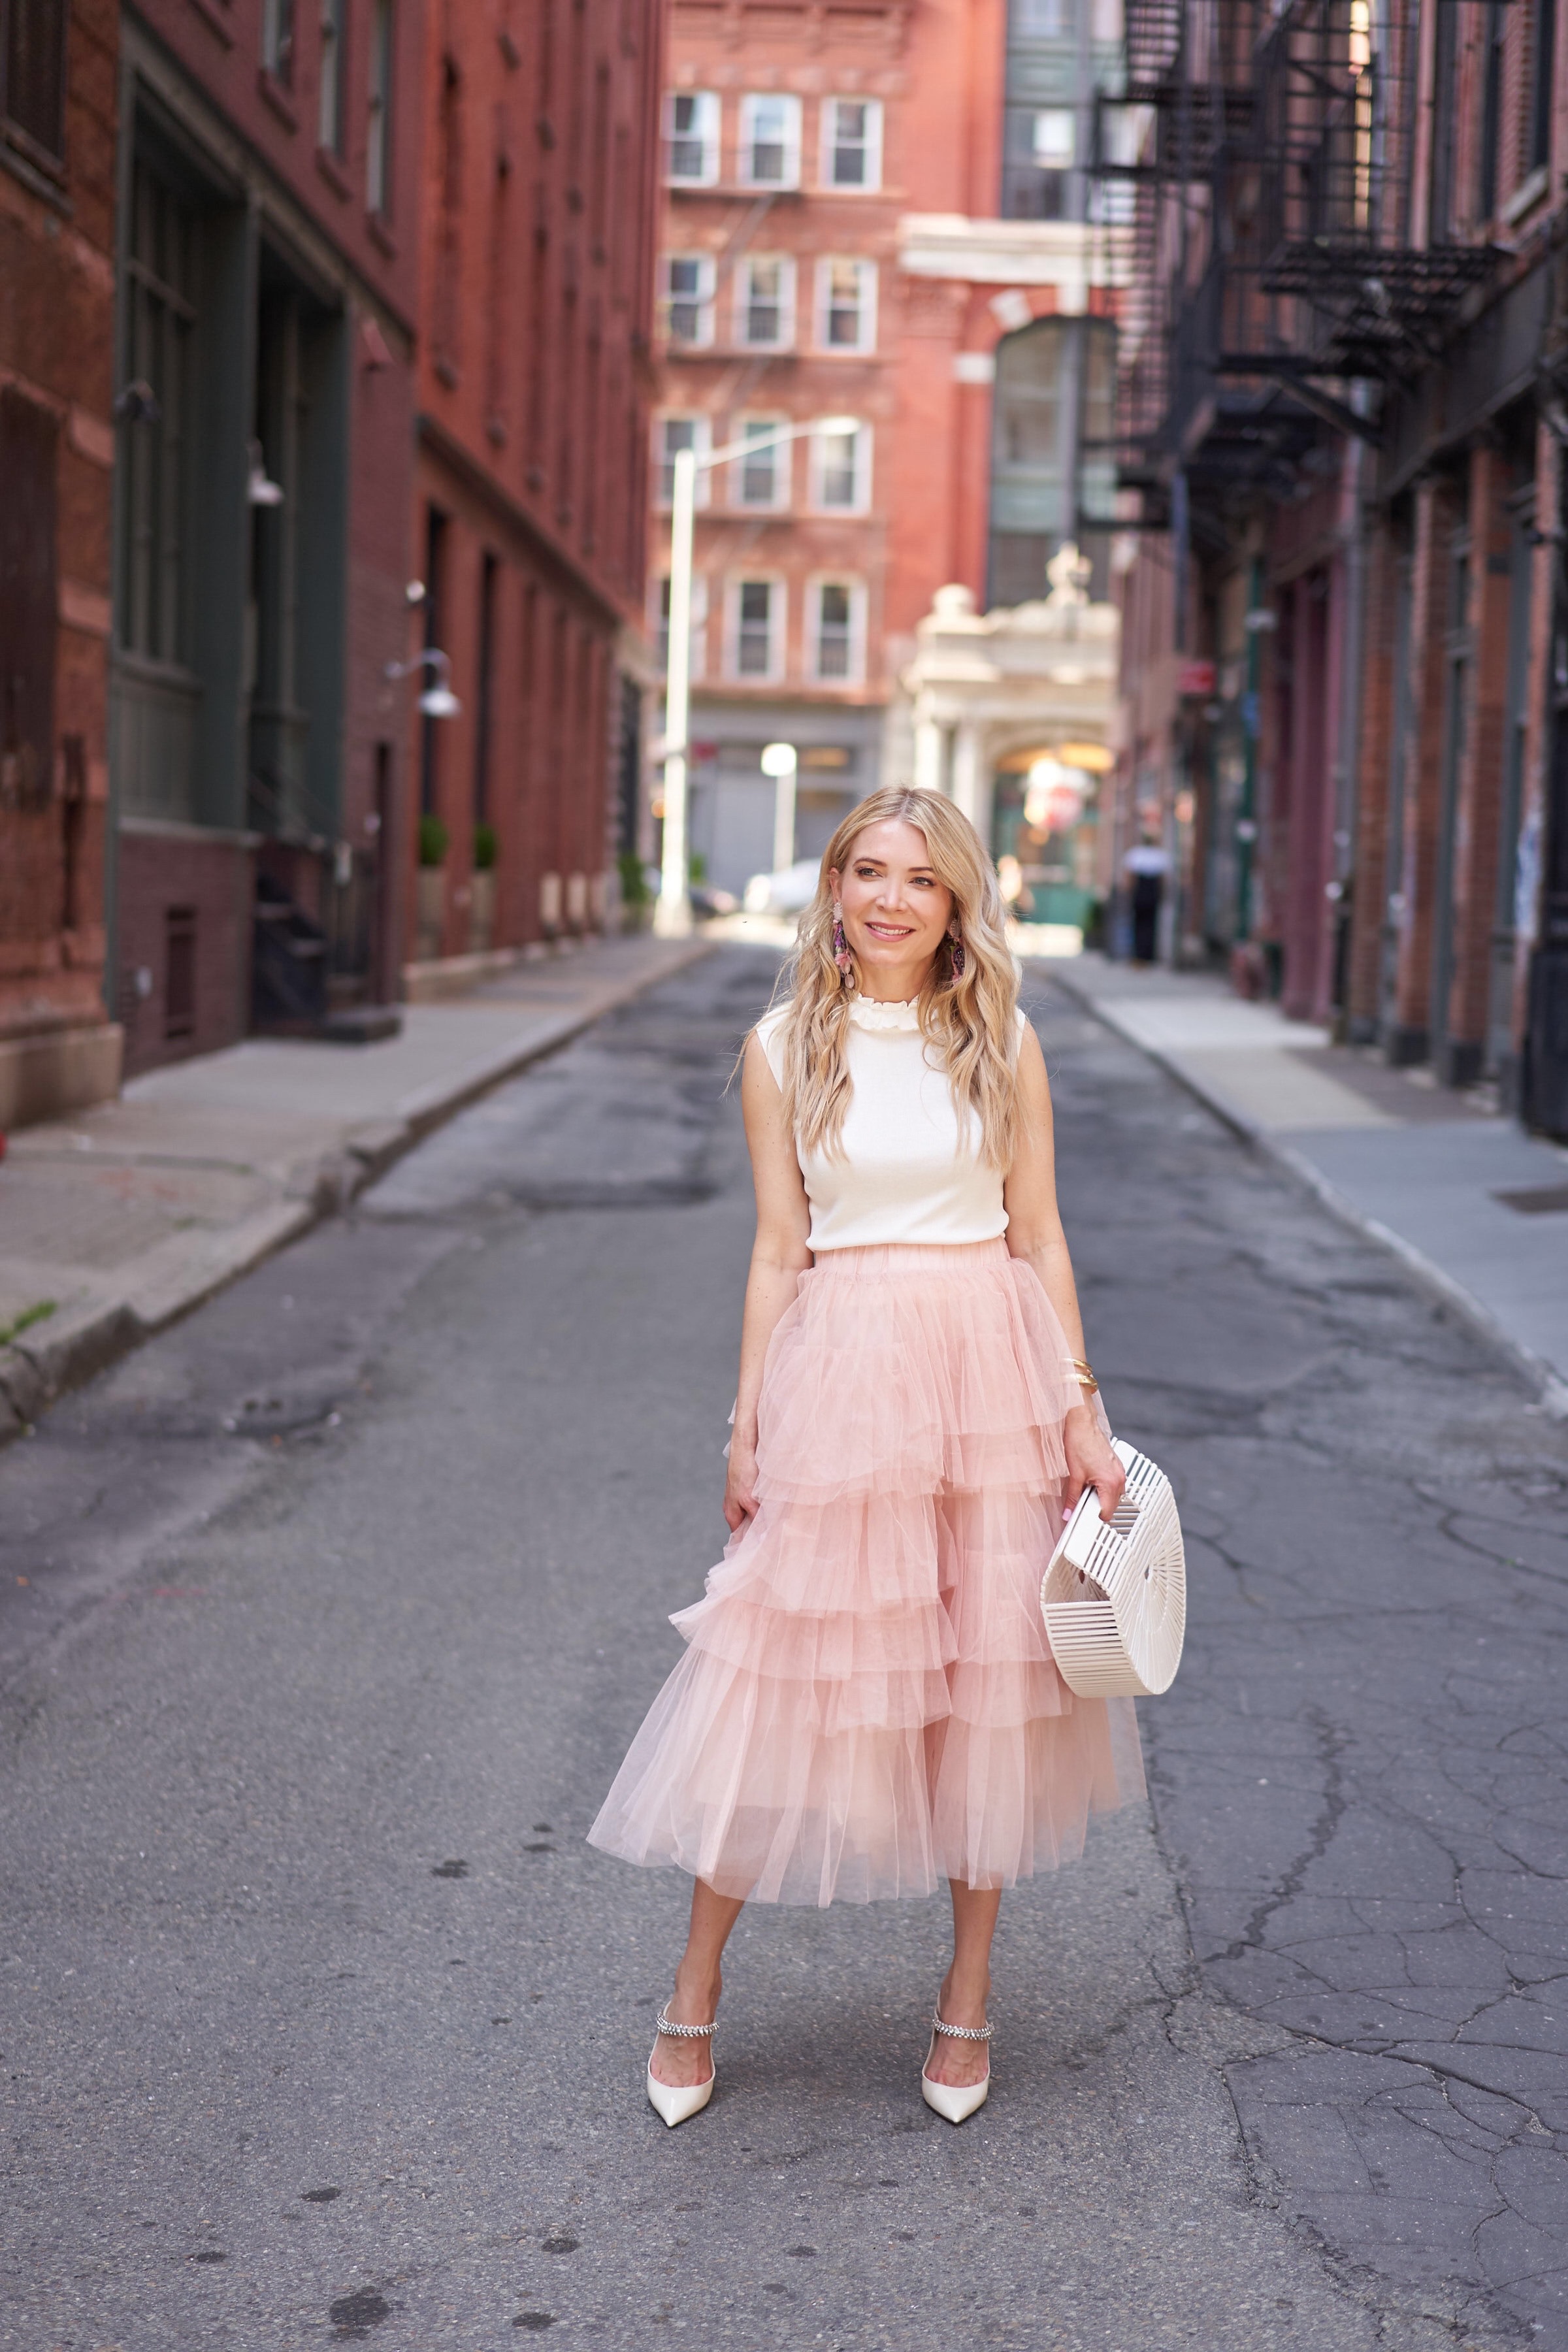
x=684, y=2032
x=960, y=2032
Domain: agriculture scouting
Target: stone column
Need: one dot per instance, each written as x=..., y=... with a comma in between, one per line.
x=928, y=755
x=965, y=786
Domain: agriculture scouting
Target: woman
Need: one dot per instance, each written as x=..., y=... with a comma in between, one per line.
x=868, y=1701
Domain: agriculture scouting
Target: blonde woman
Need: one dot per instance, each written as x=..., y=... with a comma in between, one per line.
x=867, y=1703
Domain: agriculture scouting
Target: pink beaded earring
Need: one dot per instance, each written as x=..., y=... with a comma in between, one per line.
x=955, y=938
x=841, y=955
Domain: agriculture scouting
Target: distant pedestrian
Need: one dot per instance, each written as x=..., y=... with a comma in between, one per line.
x=1146, y=865
x=868, y=1703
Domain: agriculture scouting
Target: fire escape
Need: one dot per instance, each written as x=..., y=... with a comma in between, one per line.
x=1269, y=147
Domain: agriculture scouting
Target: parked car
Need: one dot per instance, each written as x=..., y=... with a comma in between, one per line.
x=786, y=893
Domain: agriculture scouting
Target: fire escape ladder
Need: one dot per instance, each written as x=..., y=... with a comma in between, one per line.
x=1270, y=149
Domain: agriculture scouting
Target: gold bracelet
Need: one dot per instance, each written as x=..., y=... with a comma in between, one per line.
x=1084, y=1375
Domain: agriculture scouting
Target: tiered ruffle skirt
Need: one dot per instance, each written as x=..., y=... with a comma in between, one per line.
x=868, y=1702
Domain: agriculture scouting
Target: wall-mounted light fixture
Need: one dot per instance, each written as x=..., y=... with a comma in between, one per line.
x=437, y=701
x=137, y=403
x=261, y=490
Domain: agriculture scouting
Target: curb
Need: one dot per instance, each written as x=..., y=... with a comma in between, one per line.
x=1552, y=1391
x=62, y=1354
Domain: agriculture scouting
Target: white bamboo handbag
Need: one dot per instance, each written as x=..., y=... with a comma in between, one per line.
x=1114, y=1597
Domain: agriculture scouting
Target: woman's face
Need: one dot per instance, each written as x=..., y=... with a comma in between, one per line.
x=895, y=909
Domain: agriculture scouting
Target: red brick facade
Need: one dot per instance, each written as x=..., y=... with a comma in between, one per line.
x=831, y=247
x=1407, y=775
x=541, y=141
x=269, y=156
x=56, y=449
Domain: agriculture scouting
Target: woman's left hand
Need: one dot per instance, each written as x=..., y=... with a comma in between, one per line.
x=1092, y=1462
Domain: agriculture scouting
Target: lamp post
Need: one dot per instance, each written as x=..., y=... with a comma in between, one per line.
x=672, y=915
x=780, y=762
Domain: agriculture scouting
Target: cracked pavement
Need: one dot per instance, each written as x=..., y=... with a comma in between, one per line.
x=324, y=1622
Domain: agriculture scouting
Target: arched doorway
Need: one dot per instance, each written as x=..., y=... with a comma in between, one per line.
x=1044, y=816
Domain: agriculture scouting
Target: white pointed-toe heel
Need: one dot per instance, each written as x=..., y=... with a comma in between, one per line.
x=955, y=2101
x=676, y=2102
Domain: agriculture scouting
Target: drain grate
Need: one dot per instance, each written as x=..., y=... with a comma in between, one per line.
x=1536, y=1199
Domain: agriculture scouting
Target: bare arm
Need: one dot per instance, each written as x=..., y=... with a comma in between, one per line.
x=1035, y=1232
x=780, y=1255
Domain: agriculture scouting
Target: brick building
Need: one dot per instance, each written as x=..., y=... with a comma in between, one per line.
x=541, y=145
x=873, y=212
x=268, y=265
x=1345, y=416
x=58, y=1050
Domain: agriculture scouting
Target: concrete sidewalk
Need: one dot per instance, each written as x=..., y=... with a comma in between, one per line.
x=1475, y=1208
x=117, y=1221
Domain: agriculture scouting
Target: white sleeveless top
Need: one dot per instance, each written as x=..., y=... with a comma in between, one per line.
x=901, y=1173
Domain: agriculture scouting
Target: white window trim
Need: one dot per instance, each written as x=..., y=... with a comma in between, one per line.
x=706, y=301
x=749, y=105
x=821, y=445
x=655, y=588
x=702, y=441
x=741, y=283
x=867, y=342
x=828, y=124
x=778, y=627
x=783, y=456
x=818, y=581
x=713, y=139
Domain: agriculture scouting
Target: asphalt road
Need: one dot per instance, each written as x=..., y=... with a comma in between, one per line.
x=324, y=1622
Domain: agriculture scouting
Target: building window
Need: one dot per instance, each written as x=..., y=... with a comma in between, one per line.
x=757, y=629
x=689, y=298
x=1054, y=139
x=692, y=138
x=846, y=305
x=836, y=626
x=770, y=140
x=841, y=471
x=152, y=477
x=277, y=38
x=765, y=302
x=378, y=147
x=33, y=64
x=761, y=478
x=699, y=624
x=671, y=435
x=851, y=142
x=329, y=90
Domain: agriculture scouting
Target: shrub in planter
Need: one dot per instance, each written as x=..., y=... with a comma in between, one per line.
x=434, y=838
x=486, y=849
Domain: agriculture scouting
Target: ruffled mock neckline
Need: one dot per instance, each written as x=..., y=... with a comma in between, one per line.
x=868, y=1012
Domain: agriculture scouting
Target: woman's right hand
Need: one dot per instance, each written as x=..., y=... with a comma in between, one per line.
x=741, y=1486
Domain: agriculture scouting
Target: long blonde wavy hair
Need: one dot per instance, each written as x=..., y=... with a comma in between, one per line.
x=969, y=1020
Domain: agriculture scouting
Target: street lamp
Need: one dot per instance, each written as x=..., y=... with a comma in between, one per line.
x=672, y=916
x=779, y=762
x=437, y=701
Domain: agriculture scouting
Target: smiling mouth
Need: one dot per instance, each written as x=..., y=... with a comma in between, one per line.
x=890, y=931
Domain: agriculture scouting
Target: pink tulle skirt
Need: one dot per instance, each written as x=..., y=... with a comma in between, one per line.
x=868, y=1702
